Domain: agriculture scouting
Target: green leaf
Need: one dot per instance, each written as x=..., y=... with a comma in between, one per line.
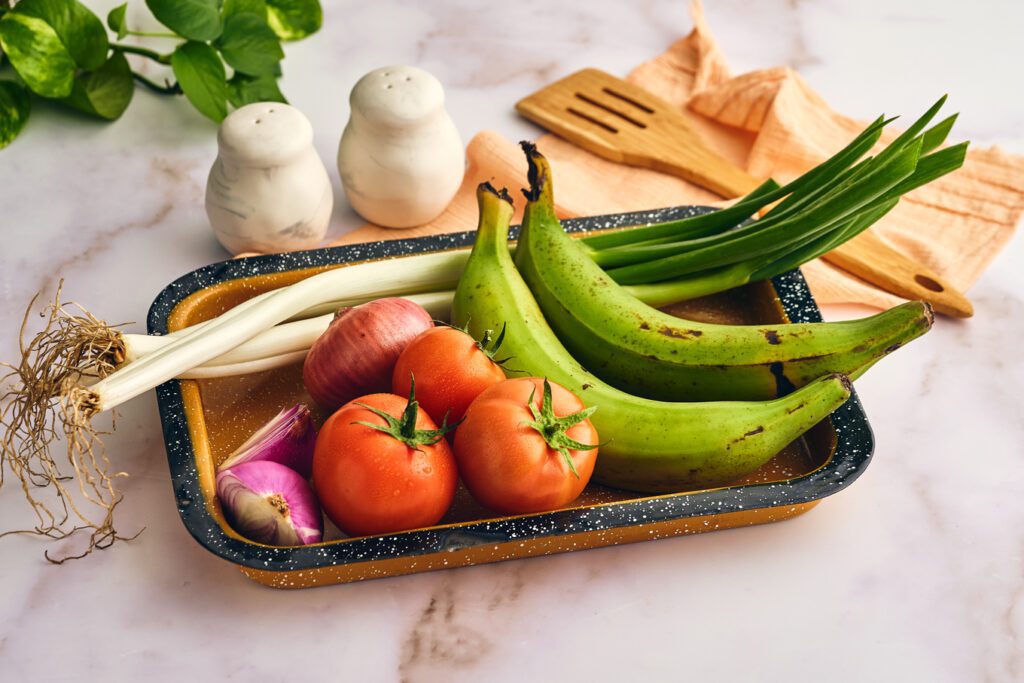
x=37, y=54
x=105, y=92
x=294, y=19
x=79, y=29
x=200, y=74
x=14, y=110
x=249, y=45
x=936, y=135
x=194, y=19
x=258, y=7
x=117, y=22
x=243, y=90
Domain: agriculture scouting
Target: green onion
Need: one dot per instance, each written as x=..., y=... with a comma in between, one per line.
x=757, y=239
x=749, y=205
x=825, y=243
x=692, y=226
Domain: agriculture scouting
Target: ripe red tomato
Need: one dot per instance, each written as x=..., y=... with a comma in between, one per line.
x=451, y=369
x=375, y=482
x=508, y=454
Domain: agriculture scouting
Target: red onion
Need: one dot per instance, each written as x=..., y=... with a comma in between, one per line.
x=357, y=353
x=288, y=439
x=270, y=503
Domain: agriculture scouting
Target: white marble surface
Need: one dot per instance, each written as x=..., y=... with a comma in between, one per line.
x=916, y=572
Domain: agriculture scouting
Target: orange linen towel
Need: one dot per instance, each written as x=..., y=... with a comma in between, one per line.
x=773, y=124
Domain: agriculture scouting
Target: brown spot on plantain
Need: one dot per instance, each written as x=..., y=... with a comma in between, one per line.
x=772, y=336
x=890, y=349
x=676, y=333
x=752, y=432
x=644, y=326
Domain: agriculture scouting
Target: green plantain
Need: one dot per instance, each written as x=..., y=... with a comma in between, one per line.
x=647, y=445
x=644, y=351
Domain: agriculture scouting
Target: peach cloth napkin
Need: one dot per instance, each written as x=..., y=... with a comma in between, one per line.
x=773, y=124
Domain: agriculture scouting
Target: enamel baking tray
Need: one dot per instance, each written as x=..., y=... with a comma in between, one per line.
x=205, y=420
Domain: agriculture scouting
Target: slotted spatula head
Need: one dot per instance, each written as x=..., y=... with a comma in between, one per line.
x=623, y=123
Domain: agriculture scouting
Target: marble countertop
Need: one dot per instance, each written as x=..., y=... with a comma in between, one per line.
x=916, y=572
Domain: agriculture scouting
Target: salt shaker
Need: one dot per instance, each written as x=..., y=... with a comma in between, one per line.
x=400, y=158
x=268, y=190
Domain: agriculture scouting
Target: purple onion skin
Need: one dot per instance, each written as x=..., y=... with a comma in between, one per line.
x=357, y=353
x=269, y=503
x=289, y=439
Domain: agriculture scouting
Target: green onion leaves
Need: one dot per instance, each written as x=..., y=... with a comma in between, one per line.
x=828, y=205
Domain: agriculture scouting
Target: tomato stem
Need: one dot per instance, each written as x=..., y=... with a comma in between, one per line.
x=404, y=428
x=554, y=428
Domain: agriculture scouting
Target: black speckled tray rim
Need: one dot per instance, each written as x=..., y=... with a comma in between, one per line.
x=855, y=441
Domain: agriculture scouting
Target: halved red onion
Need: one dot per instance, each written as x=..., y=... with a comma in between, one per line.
x=270, y=503
x=358, y=351
x=288, y=439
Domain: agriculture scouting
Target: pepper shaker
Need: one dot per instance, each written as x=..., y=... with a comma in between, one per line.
x=268, y=190
x=400, y=157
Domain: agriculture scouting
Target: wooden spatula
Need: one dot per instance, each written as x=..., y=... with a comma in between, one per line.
x=624, y=123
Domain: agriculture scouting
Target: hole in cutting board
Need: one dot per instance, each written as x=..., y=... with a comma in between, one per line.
x=628, y=100
x=610, y=110
x=591, y=119
x=928, y=283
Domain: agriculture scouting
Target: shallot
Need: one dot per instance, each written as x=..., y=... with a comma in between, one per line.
x=269, y=503
x=288, y=439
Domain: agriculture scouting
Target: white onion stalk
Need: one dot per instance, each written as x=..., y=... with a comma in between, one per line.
x=423, y=272
x=50, y=398
x=246, y=367
x=281, y=345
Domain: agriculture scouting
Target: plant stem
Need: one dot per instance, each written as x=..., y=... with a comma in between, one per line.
x=168, y=89
x=152, y=34
x=143, y=52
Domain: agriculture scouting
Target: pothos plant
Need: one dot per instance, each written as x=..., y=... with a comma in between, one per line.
x=227, y=52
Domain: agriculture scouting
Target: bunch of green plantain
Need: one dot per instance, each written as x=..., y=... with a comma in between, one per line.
x=640, y=349
x=648, y=445
x=682, y=404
